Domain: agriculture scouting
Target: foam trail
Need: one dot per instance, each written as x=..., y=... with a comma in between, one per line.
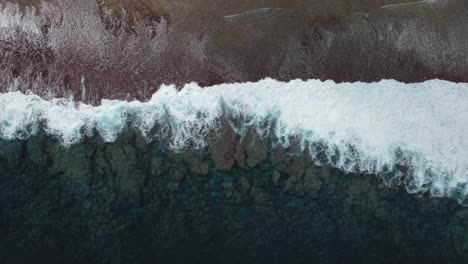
x=11, y=17
x=423, y=126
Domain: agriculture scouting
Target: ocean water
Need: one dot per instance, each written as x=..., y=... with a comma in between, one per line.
x=370, y=128
x=249, y=156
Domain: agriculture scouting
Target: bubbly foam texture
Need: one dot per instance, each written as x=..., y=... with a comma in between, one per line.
x=374, y=127
x=11, y=18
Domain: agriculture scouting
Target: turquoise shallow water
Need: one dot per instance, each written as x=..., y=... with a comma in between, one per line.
x=134, y=202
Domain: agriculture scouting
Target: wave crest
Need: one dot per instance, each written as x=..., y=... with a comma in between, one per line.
x=384, y=128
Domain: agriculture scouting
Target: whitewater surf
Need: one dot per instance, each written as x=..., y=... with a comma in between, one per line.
x=361, y=127
x=201, y=131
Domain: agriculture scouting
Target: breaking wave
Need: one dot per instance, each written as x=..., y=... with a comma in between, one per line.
x=376, y=128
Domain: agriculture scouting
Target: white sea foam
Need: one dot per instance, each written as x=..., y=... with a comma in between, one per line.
x=11, y=18
x=374, y=126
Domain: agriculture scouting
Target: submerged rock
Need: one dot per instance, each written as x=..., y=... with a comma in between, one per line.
x=129, y=205
x=223, y=144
